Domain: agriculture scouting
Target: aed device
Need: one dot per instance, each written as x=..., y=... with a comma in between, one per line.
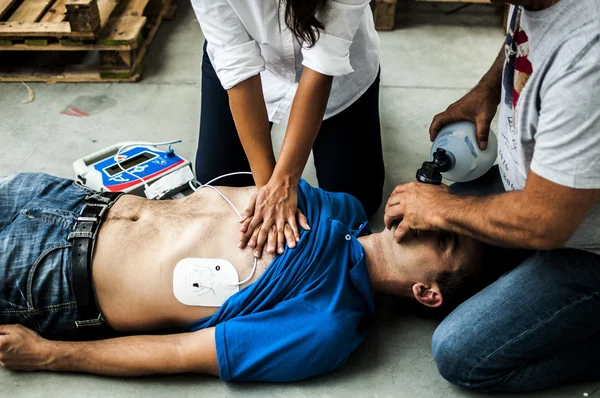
x=204, y=282
x=131, y=167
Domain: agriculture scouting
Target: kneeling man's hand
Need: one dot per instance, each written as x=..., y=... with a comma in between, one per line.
x=416, y=206
x=22, y=349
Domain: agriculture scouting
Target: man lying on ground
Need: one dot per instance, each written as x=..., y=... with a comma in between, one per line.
x=299, y=314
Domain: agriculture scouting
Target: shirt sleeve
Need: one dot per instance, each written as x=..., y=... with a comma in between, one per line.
x=233, y=53
x=567, y=142
x=331, y=53
x=288, y=343
x=338, y=206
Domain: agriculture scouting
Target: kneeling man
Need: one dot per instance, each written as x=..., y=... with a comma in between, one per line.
x=79, y=265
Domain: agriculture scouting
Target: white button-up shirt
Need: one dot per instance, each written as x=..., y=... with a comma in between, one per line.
x=247, y=37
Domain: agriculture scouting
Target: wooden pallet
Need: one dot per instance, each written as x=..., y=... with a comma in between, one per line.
x=115, y=54
x=384, y=11
x=54, y=18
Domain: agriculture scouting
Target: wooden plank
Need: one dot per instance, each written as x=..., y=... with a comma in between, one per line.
x=31, y=29
x=385, y=14
x=134, y=8
x=71, y=74
x=120, y=61
x=88, y=73
x=83, y=15
x=30, y=11
x=36, y=42
x=137, y=66
x=5, y=5
x=170, y=13
x=68, y=47
x=106, y=7
x=122, y=30
x=93, y=77
x=56, y=13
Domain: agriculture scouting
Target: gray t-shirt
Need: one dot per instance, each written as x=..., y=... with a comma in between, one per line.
x=550, y=111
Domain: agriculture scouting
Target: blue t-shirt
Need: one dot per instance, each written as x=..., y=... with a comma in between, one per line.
x=309, y=310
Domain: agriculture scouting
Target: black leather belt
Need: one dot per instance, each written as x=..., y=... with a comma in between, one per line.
x=83, y=240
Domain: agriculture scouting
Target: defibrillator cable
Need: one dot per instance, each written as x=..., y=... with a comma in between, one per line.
x=191, y=184
x=207, y=185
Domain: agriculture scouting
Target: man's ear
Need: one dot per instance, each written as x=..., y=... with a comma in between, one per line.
x=429, y=295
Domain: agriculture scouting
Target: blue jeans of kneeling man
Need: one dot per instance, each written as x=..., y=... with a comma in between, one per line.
x=536, y=327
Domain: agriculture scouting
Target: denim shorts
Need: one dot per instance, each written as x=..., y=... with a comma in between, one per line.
x=37, y=213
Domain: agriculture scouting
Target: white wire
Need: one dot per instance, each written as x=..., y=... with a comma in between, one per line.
x=227, y=200
x=191, y=184
x=207, y=185
x=226, y=175
x=249, y=276
x=116, y=157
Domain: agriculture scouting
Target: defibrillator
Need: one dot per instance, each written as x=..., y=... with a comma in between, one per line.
x=136, y=168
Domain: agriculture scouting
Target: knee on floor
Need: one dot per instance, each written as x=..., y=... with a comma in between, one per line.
x=455, y=355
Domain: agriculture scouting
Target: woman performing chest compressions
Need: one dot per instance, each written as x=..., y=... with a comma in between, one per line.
x=262, y=57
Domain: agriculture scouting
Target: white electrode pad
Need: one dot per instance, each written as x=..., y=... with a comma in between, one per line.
x=204, y=282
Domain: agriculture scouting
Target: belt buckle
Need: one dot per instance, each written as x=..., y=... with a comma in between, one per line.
x=87, y=219
x=103, y=207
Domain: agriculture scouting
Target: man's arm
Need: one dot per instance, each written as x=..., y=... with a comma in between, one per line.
x=543, y=216
x=493, y=77
x=23, y=349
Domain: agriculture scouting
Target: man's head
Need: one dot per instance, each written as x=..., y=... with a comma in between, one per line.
x=429, y=266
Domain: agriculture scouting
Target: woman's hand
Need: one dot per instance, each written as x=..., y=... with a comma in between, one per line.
x=271, y=217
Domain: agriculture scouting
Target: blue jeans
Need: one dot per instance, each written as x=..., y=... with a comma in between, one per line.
x=536, y=327
x=37, y=212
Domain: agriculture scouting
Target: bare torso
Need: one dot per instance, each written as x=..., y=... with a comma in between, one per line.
x=140, y=243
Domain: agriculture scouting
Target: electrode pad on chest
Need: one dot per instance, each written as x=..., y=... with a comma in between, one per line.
x=204, y=282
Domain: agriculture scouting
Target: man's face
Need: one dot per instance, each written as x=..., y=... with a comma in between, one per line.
x=425, y=254
x=422, y=256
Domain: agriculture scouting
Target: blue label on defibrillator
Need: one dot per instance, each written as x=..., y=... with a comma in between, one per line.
x=141, y=162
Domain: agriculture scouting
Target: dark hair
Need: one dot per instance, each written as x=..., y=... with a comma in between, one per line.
x=301, y=18
x=453, y=282
x=471, y=277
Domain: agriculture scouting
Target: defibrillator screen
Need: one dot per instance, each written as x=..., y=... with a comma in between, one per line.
x=131, y=162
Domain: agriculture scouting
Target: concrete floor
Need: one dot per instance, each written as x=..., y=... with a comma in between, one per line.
x=426, y=65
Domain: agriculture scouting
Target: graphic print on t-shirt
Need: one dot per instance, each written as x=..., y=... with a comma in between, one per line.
x=517, y=70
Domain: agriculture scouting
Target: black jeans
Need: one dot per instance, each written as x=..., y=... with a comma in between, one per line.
x=347, y=151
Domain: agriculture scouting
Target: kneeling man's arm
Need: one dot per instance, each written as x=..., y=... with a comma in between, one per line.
x=543, y=216
x=562, y=187
x=23, y=349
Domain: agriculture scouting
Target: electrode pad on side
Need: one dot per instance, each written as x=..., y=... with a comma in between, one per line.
x=204, y=282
